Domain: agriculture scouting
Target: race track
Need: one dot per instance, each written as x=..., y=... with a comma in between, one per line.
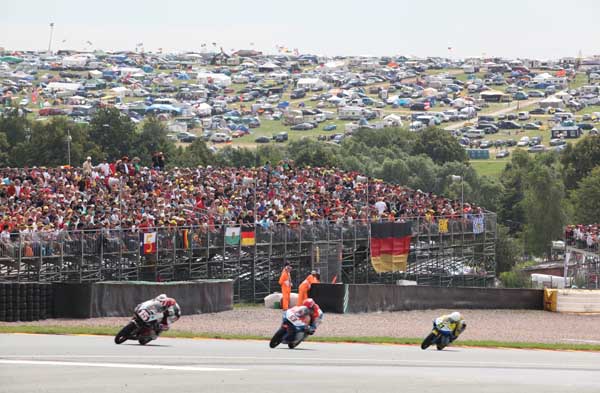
x=89, y=364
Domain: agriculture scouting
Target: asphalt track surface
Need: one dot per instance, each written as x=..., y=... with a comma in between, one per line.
x=90, y=364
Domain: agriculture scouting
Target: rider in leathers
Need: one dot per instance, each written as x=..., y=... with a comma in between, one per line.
x=166, y=309
x=453, y=323
x=309, y=315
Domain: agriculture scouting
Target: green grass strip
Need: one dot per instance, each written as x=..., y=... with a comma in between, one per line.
x=111, y=331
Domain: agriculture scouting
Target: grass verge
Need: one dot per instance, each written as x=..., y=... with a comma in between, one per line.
x=110, y=331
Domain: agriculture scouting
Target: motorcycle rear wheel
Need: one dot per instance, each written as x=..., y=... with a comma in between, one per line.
x=277, y=337
x=124, y=333
x=428, y=341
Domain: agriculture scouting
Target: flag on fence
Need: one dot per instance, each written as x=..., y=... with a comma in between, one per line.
x=149, y=243
x=186, y=239
x=248, y=238
x=232, y=236
x=390, y=245
x=478, y=224
x=443, y=225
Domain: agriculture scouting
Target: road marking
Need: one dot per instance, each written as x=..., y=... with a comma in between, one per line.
x=115, y=365
x=257, y=361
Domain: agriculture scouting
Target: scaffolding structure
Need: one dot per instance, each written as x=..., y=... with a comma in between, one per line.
x=448, y=255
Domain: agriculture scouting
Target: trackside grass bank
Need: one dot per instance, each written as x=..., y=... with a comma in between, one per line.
x=110, y=331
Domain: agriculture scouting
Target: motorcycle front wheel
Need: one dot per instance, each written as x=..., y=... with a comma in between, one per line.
x=277, y=337
x=428, y=341
x=124, y=333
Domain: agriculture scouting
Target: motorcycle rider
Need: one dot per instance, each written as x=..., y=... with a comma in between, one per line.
x=164, y=305
x=452, y=323
x=309, y=313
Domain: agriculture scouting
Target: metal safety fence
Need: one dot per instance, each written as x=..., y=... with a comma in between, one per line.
x=443, y=252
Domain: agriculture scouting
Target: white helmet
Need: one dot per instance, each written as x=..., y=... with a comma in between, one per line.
x=162, y=297
x=455, y=316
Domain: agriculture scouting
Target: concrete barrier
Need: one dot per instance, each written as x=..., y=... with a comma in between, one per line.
x=119, y=298
x=375, y=297
x=577, y=301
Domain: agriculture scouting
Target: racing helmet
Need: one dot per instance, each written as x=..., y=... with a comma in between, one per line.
x=309, y=303
x=161, y=297
x=455, y=316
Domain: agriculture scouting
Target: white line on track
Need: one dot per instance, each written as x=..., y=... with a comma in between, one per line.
x=309, y=360
x=115, y=365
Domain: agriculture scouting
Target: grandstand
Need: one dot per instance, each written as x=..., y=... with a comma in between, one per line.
x=582, y=250
x=66, y=227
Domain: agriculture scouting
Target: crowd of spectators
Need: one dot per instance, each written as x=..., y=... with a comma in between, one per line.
x=124, y=195
x=583, y=236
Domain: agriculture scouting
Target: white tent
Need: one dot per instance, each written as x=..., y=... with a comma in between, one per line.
x=74, y=61
x=393, y=120
x=61, y=86
x=552, y=102
x=204, y=109
x=121, y=91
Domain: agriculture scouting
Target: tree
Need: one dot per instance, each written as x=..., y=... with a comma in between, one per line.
x=195, y=154
x=586, y=199
x=394, y=171
x=440, y=146
x=507, y=250
x=307, y=152
x=48, y=144
x=512, y=179
x=579, y=159
x=543, y=206
x=151, y=139
x=423, y=173
x=114, y=132
x=240, y=157
x=4, y=151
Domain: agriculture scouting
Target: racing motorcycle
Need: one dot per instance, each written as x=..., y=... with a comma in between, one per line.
x=143, y=327
x=441, y=335
x=292, y=332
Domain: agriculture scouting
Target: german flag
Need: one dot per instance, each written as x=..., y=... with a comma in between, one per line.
x=248, y=238
x=390, y=245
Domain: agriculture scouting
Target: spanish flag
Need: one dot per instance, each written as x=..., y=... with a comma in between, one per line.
x=390, y=245
x=248, y=238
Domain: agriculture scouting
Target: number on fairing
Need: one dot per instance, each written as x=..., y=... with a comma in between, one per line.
x=144, y=315
x=293, y=318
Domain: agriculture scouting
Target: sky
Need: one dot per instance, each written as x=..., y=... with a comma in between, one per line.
x=542, y=29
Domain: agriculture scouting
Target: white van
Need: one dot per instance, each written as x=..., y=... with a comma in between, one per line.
x=476, y=134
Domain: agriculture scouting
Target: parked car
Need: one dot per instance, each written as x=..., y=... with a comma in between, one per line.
x=520, y=95
x=302, y=127
x=485, y=144
x=220, y=137
x=523, y=116
x=537, y=111
x=524, y=141
x=281, y=137
x=537, y=149
x=503, y=154
x=585, y=126
x=298, y=93
x=536, y=93
x=536, y=140
x=511, y=142
x=557, y=142
x=508, y=125
x=262, y=139
x=330, y=127
x=532, y=126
